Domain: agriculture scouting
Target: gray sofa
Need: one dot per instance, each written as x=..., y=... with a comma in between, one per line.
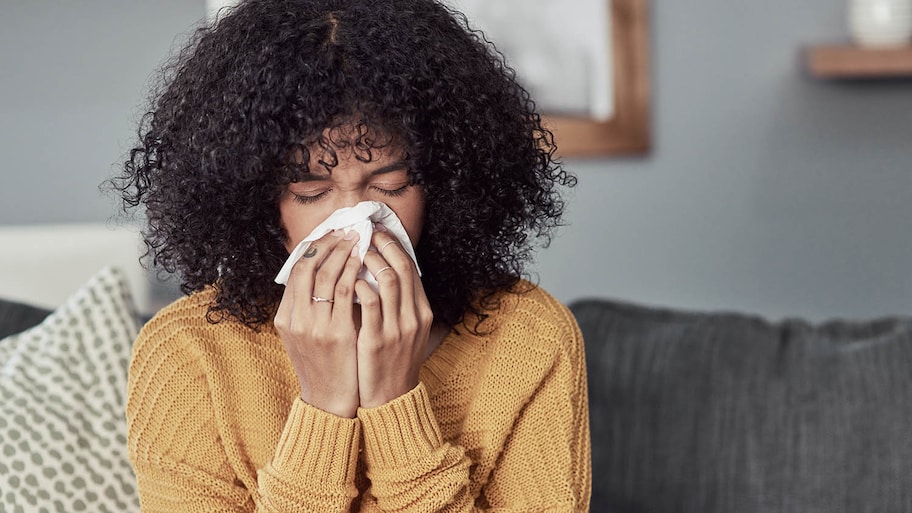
x=16, y=317
x=725, y=412
x=690, y=412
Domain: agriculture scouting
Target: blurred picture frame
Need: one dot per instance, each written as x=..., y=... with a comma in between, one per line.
x=628, y=130
x=585, y=63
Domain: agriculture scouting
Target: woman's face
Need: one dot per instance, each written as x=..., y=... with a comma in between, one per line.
x=305, y=204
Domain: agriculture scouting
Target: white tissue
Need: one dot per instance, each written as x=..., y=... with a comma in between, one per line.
x=360, y=218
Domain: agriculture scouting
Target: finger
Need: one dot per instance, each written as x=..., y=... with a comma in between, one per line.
x=391, y=250
x=296, y=298
x=316, y=253
x=401, y=261
x=382, y=243
x=345, y=288
x=329, y=272
x=371, y=320
x=303, y=273
x=388, y=283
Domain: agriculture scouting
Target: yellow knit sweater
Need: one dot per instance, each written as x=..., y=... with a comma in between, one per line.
x=499, y=422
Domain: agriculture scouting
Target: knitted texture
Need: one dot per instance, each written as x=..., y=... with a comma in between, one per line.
x=498, y=421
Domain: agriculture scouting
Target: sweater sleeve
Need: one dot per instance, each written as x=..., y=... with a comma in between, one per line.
x=409, y=465
x=545, y=464
x=181, y=463
x=314, y=465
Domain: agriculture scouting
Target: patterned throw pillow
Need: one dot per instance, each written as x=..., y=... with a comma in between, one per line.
x=62, y=386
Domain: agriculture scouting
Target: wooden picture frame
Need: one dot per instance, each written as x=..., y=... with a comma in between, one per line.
x=628, y=132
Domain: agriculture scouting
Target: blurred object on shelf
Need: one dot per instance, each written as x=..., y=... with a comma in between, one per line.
x=880, y=23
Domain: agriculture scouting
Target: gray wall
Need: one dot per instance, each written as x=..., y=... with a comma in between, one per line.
x=72, y=83
x=767, y=191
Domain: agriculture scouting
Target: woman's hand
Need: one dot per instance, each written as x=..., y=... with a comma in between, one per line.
x=395, y=324
x=320, y=336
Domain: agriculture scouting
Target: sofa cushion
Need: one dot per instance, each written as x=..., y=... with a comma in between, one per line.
x=723, y=412
x=16, y=317
x=62, y=385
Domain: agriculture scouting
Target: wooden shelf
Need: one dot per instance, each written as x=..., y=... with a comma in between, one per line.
x=849, y=61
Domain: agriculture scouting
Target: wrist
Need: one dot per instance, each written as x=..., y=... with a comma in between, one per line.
x=385, y=394
x=340, y=408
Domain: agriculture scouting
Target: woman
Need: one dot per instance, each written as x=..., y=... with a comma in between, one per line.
x=462, y=389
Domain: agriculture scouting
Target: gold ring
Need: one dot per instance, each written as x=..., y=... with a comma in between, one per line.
x=385, y=245
x=387, y=268
x=318, y=299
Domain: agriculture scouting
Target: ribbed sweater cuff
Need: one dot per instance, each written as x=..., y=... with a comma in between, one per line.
x=401, y=431
x=318, y=444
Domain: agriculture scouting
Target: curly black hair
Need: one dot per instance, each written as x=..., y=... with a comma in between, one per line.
x=271, y=76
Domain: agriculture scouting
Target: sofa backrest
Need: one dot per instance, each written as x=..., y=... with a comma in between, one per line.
x=43, y=264
x=725, y=412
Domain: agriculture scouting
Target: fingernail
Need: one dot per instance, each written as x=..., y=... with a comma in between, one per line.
x=354, y=251
x=351, y=235
x=381, y=228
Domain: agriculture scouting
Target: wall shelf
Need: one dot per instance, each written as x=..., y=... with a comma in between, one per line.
x=850, y=61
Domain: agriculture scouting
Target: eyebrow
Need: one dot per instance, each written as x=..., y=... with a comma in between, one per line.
x=389, y=168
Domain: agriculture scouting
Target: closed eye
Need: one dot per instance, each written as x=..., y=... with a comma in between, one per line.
x=392, y=192
x=306, y=200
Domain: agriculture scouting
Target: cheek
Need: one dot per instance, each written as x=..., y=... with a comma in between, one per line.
x=297, y=221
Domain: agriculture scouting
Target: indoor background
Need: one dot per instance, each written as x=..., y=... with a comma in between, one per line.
x=766, y=190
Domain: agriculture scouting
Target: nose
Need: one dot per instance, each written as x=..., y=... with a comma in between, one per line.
x=350, y=198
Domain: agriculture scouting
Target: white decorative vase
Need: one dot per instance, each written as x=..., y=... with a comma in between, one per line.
x=881, y=23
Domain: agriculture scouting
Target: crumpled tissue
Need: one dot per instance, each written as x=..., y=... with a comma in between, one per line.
x=362, y=218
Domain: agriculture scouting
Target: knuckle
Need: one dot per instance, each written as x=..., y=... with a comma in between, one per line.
x=370, y=301
x=403, y=265
x=334, y=337
x=343, y=290
x=299, y=328
x=388, y=277
x=315, y=248
x=287, y=332
x=410, y=324
x=320, y=333
x=393, y=335
x=324, y=281
x=371, y=346
x=299, y=268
